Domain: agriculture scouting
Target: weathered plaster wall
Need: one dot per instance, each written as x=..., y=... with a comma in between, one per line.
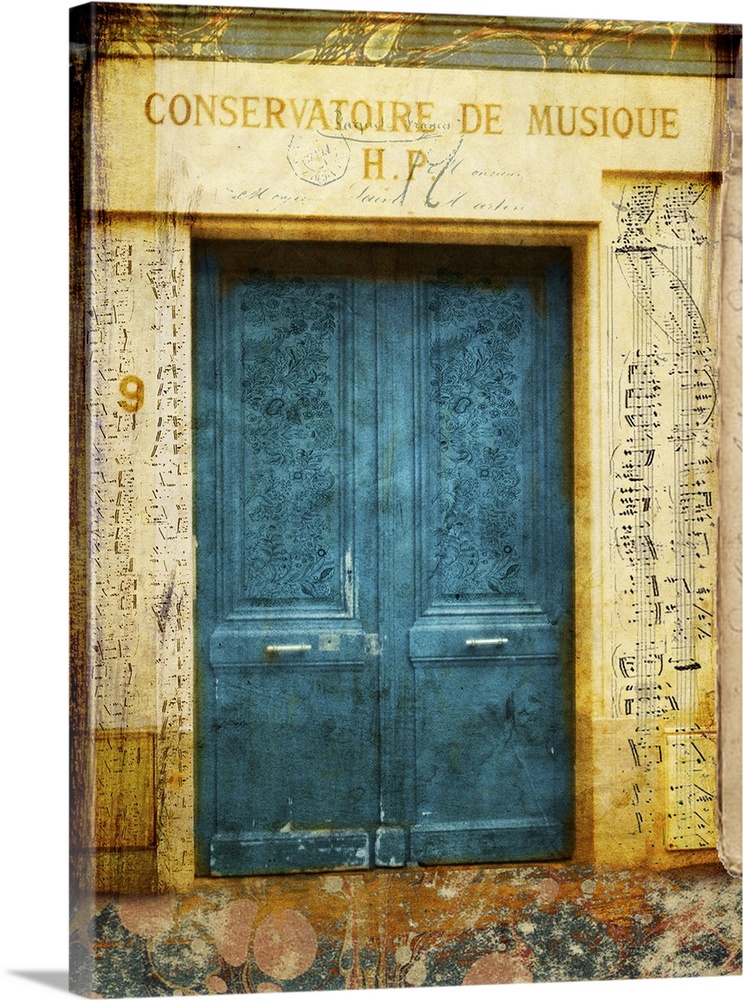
x=141, y=568
x=410, y=928
x=631, y=693
x=641, y=213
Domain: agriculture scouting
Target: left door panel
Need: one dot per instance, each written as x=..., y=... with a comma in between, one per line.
x=285, y=474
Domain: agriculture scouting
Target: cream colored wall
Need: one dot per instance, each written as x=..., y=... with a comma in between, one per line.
x=631, y=204
x=141, y=555
x=509, y=169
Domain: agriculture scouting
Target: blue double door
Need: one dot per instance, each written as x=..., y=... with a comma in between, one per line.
x=384, y=555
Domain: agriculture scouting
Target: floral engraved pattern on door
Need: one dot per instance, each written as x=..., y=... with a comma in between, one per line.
x=290, y=389
x=474, y=389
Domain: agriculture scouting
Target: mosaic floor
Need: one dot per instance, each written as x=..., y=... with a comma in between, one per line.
x=413, y=927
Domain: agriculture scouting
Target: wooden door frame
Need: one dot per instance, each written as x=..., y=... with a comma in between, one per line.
x=589, y=472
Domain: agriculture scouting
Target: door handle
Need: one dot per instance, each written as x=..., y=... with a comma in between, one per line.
x=485, y=642
x=300, y=647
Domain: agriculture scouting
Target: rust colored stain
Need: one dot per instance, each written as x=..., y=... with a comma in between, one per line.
x=234, y=927
x=285, y=945
x=147, y=916
x=498, y=968
x=419, y=927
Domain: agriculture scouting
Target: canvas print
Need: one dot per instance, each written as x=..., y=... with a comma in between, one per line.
x=405, y=369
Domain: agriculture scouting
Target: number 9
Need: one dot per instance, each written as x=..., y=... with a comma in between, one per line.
x=131, y=388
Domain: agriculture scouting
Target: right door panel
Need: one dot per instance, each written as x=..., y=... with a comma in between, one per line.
x=491, y=646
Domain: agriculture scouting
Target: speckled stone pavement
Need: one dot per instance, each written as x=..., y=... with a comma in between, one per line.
x=412, y=927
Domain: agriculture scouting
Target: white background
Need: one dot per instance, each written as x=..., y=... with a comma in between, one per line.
x=33, y=486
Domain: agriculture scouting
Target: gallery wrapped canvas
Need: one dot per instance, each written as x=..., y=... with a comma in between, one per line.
x=399, y=437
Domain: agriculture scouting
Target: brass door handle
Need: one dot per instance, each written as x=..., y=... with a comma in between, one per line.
x=485, y=642
x=300, y=647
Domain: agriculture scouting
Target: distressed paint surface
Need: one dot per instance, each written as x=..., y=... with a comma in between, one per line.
x=394, y=39
x=392, y=408
x=442, y=927
x=124, y=790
